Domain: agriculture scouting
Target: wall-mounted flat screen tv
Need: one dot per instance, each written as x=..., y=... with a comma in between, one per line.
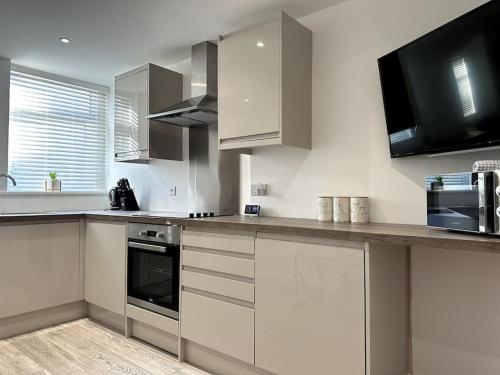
x=442, y=91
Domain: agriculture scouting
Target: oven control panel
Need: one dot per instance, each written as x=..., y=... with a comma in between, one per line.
x=152, y=234
x=169, y=234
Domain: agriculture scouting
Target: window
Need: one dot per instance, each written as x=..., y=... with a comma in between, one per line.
x=56, y=125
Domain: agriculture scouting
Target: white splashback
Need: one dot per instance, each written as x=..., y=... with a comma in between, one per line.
x=350, y=154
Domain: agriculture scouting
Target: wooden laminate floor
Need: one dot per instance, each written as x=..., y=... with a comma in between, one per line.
x=84, y=347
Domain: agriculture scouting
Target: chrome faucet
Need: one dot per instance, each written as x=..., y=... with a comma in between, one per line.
x=9, y=177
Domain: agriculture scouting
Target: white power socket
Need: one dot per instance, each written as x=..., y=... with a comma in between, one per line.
x=172, y=190
x=259, y=190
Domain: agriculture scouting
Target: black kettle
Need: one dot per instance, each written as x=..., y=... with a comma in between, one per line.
x=114, y=196
x=122, y=197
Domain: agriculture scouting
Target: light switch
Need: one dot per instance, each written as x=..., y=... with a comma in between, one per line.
x=172, y=190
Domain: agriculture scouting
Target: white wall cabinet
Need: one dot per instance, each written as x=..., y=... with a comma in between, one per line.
x=39, y=266
x=309, y=308
x=105, y=265
x=138, y=93
x=265, y=76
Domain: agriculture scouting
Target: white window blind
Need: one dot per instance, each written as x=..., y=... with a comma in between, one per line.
x=56, y=126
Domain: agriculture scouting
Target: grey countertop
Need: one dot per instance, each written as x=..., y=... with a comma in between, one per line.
x=152, y=217
x=413, y=235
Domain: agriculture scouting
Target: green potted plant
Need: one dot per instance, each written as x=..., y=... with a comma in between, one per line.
x=52, y=183
x=437, y=184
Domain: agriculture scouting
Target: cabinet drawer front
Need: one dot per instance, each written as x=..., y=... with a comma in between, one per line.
x=221, y=326
x=219, y=241
x=219, y=263
x=153, y=319
x=219, y=285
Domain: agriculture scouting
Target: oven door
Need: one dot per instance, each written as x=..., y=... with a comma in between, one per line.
x=463, y=201
x=153, y=277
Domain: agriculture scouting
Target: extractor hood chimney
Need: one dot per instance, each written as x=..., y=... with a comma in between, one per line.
x=201, y=109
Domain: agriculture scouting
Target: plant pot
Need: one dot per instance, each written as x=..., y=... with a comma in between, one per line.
x=436, y=185
x=53, y=185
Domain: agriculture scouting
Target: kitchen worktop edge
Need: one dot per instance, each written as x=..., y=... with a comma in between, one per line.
x=402, y=234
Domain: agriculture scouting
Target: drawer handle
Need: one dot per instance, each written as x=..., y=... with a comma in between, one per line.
x=219, y=297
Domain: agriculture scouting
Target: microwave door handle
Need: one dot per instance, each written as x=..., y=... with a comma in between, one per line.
x=145, y=246
x=483, y=203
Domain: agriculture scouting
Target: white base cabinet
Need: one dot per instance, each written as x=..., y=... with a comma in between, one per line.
x=455, y=311
x=39, y=266
x=217, y=300
x=105, y=265
x=309, y=308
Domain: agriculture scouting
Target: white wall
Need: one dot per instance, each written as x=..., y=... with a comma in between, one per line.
x=350, y=154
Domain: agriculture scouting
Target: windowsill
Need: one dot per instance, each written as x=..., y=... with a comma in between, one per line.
x=52, y=193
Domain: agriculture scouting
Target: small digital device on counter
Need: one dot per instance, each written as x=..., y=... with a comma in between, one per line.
x=252, y=210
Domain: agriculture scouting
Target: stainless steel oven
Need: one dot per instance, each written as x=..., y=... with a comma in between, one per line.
x=153, y=268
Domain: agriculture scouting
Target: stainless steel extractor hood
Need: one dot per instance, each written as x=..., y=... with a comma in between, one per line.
x=201, y=109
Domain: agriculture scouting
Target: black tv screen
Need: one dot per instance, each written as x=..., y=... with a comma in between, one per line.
x=442, y=92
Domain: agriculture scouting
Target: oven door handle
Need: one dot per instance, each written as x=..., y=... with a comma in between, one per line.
x=145, y=246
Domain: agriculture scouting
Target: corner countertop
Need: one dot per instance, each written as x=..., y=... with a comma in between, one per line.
x=401, y=234
x=149, y=217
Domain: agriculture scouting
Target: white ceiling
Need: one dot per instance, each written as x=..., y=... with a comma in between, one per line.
x=113, y=36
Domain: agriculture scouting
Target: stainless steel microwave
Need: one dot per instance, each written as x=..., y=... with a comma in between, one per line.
x=464, y=201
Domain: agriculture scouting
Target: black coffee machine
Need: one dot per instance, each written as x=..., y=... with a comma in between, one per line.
x=122, y=197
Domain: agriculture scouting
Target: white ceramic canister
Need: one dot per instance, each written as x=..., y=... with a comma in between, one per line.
x=341, y=209
x=325, y=208
x=360, y=210
x=53, y=185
